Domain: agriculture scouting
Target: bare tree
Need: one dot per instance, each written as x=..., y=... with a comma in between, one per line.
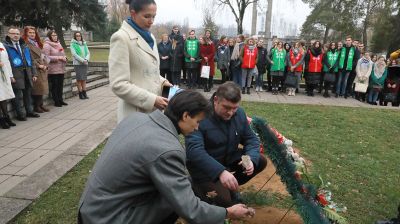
x=118, y=10
x=238, y=9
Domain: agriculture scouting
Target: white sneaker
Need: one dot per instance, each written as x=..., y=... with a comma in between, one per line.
x=257, y=89
x=261, y=89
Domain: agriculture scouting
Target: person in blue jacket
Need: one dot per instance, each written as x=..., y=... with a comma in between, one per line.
x=214, y=152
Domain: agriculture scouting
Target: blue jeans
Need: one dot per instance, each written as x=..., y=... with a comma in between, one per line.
x=237, y=76
x=342, y=82
x=373, y=96
x=260, y=80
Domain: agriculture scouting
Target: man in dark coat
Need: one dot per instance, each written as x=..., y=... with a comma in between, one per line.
x=24, y=73
x=262, y=61
x=213, y=152
x=175, y=34
x=141, y=176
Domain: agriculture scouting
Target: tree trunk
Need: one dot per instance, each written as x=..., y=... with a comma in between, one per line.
x=365, y=26
x=365, y=34
x=240, y=28
x=268, y=19
x=60, y=33
x=326, y=34
x=254, y=19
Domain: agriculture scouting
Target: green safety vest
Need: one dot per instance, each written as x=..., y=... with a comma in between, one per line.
x=192, y=48
x=332, y=58
x=278, y=57
x=349, y=60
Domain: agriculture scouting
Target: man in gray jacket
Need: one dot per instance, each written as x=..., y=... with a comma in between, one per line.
x=141, y=174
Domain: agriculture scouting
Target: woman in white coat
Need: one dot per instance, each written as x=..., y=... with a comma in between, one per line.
x=6, y=91
x=134, y=62
x=363, y=71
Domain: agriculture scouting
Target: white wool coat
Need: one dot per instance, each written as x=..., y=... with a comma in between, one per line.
x=134, y=72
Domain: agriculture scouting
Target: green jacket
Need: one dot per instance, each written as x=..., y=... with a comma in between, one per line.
x=375, y=81
x=331, y=60
x=350, y=59
x=279, y=59
x=192, y=49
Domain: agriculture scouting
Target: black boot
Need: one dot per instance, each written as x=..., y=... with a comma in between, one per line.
x=210, y=82
x=243, y=90
x=248, y=90
x=3, y=123
x=8, y=121
x=81, y=96
x=84, y=95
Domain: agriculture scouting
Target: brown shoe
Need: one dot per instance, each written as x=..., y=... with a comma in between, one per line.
x=38, y=110
x=44, y=108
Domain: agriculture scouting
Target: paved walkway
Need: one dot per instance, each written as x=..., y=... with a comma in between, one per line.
x=37, y=152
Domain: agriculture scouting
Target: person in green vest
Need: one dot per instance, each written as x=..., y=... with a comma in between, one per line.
x=377, y=80
x=80, y=59
x=331, y=67
x=192, y=59
x=347, y=63
x=278, y=65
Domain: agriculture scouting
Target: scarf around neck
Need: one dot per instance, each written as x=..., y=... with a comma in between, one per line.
x=143, y=33
x=33, y=42
x=379, y=69
x=77, y=47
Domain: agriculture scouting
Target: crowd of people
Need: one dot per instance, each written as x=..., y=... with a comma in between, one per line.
x=29, y=66
x=337, y=67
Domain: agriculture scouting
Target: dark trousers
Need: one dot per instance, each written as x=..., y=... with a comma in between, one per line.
x=224, y=73
x=269, y=79
x=184, y=73
x=166, y=74
x=192, y=74
x=176, y=78
x=25, y=95
x=327, y=86
x=56, y=83
x=321, y=82
x=223, y=197
x=350, y=84
x=3, y=109
x=336, y=82
x=276, y=81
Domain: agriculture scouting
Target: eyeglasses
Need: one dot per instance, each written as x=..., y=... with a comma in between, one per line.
x=14, y=33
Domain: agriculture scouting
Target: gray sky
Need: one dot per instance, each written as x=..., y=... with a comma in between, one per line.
x=291, y=12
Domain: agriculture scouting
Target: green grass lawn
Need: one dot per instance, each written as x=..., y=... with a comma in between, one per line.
x=96, y=55
x=356, y=149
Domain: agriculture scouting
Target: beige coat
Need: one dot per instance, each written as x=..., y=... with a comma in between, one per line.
x=41, y=86
x=6, y=90
x=134, y=72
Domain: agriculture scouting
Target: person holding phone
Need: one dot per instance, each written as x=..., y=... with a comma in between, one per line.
x=134, y=62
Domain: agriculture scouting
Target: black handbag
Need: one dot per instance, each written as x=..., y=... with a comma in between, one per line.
x=329, y=77
x=291, y=80
x=390, y=97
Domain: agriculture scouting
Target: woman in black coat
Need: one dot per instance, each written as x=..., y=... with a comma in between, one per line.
x=164, y=49
x=176, y=59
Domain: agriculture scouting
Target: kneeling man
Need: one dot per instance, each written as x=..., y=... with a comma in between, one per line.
x=214, y=155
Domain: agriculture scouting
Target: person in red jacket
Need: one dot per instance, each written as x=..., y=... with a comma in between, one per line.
x=207, y=53
x=248, y=56
x=295, y=60
x=313, y=60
